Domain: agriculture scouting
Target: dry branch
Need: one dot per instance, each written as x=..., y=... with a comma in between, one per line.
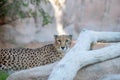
x=33, y=73
x=75, y=59
x=67, y=68
x=110, y=77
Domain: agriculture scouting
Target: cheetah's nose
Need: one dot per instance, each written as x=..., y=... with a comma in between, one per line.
x=62, y=48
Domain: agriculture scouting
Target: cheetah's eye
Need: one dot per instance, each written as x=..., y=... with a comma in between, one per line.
x=59, y=41
x=67, y=40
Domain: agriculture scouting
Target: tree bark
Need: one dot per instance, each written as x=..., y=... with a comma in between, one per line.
x=33, y=73
x=58, y=6
x=110, y=77
x=77, y=58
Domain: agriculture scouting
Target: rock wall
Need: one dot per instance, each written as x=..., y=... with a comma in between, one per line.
x=101, y=15
x=93, y=14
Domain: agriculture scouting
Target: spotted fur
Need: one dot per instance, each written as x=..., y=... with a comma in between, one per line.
x=23, y=58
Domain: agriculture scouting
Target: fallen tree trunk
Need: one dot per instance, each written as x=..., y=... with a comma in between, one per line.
x=111, y=77
x=77, y=57
x=33, y=73
x=67, y=69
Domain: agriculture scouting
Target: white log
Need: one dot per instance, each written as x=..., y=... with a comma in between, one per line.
x=106, y=36
x=110, y=77
x=58, y=6
x=67, y=68
x=75, y=59
x=33, y=73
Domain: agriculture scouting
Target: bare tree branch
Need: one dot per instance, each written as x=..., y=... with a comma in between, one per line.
x=75, y=59
x=110, y=77
x=58, y=6
x=33, y=73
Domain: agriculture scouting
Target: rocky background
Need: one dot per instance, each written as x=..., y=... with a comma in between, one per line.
x=99, y=15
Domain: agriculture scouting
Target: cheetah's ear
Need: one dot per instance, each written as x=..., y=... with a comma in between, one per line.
x=70, y=36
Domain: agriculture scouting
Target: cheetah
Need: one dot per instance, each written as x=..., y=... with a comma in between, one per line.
x=16, y=59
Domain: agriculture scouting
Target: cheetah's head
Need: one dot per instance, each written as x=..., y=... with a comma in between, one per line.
x=63, y=42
